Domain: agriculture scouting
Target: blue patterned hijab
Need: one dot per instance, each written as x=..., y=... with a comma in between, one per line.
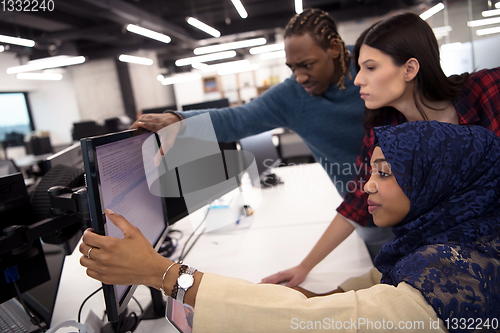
x=448, y=245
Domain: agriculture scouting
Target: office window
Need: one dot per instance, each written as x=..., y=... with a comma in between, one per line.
x=15, y=114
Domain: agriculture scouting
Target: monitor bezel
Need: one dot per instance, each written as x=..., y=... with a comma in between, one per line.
x=115, y=306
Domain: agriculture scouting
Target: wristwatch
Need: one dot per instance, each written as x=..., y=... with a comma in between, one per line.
x=185, y=281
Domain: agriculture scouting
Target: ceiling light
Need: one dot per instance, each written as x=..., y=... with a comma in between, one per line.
x=488, y=31
x=2, y=48
x=229, y=46
x=225, y=65
x=148, y=33
x=479, y=23
x=493, y=12
x=180, y=78
x=451, y=46
x=497, y=5
x=205, y=58
x=235, y=70
x=52, y=62
x=267, y=48
x=273, y=55
x=442, y=31
x=135, y=60
x=431, y=11
x=203, y=27
x=239, y=7
x=17, y=41
x=298, y=6
x=39, y=76
x=160, y=77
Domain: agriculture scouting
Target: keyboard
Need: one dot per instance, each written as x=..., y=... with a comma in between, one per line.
x=13, y=319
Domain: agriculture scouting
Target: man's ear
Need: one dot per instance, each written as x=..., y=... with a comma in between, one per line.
x=412, y=66
x=333, y=49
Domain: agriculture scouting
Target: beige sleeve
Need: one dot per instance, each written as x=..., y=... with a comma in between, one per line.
x=233, y=305
x=362, y=282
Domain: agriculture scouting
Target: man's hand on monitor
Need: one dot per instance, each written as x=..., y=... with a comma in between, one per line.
x=155, y=121
x=294, y=276
x=166, y=125
x=130, y=260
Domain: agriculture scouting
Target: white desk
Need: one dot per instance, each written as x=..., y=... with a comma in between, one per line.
x=285, y=227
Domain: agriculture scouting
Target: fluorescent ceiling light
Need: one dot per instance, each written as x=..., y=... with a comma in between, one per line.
x=493, y=12
x=39, y=76
x=431, y=11
x=2, y=48
x=442, y=31
x=135, y=60
x=205, y=58
x=239, y=7
x=17, y=41
x=451, y=46
x=298, y=6
x=273, y=55
x=52, y=62
x=488, y=31
x=180, y=78
x=230, y=46
x=267, y=48
x=203, y=27
x=225, y=65
x=479, y=23
x=148, y=33
x=235, y=70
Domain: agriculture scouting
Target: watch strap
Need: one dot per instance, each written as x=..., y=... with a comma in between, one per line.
x=181, y=291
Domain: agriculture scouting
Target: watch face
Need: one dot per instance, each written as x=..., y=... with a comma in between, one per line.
x=185, y=281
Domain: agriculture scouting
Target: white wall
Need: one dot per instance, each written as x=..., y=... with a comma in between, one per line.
x=148, y=91
x=53, y=103
x=97, y=90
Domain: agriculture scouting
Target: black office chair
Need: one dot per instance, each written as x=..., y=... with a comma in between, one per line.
x=39, y=146
x=86, y=129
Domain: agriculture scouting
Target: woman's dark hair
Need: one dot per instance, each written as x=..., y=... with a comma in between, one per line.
x=403, y=37
x=322, y=29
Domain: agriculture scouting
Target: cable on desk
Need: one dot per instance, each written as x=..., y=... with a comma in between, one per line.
x=33, y=320
x=140, y=307
x=85, y=301
x=182, y=256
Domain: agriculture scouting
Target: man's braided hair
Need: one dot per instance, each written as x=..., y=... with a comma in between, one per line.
x=323, y=29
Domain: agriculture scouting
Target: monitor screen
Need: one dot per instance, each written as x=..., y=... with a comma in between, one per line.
x=264, y=150
x=116, y=179
x=15, y=114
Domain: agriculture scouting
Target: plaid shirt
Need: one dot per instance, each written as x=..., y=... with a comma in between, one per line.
x=478, y=104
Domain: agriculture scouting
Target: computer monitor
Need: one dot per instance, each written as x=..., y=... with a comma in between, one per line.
x=116, y=179
x=29, y=261
x=215, y=104
x=265, y=152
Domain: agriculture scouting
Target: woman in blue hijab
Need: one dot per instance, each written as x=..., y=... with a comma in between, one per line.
x=436, y=184
x=447, y=244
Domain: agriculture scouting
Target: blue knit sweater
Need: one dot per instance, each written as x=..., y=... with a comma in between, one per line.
x=331, y=125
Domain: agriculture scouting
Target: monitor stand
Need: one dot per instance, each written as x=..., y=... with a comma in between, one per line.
x=157, y=308
x=125, y=323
